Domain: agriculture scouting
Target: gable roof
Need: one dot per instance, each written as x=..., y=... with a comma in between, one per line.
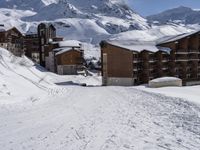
x=2, y=28
x=138, y=46
x=70, y=43
x=169, y=39
x=65, y=50
x=14, y=28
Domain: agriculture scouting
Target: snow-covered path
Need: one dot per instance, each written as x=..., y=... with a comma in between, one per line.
x=36, y=114
x=101, y=118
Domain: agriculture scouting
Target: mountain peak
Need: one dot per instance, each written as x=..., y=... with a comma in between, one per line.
x=181, y=14
x=84, y=20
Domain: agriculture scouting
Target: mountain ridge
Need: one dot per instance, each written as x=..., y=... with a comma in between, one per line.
x=83, y=20
x=180, y=15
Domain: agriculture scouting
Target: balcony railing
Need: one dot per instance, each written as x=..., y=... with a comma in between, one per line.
x=136, y=61
x=181, y=50
x=193, y=50
x=184, y=60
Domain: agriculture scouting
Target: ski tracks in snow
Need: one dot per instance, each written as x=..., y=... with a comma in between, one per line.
x=103, y=118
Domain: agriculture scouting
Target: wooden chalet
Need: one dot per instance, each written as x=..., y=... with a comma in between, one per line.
x=133, y=62
x=12, y=40
x=64, y=57
x=69, y=61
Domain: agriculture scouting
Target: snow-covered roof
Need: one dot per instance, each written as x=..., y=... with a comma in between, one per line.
x=138, y=46
x=2, y=28
x=168, y=39
x=165, y=79
x=58, y=49
x=70, y=43
x=63, y=50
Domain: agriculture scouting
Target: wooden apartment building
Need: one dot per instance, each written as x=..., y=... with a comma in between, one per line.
x=45, y=48
x=46, y=33
x=32, y=48
x=133, y=62
x=12, y=40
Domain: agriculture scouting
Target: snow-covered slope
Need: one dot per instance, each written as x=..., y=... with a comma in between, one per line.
x=22, y=4
x=41, y=110
x=87, y=21
x=37, y=114
x=18, y=76
x=153, y=34
x=11, y=18
x=180, y=15
x=110, y=15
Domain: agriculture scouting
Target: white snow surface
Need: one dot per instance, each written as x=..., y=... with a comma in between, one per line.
x=70, y=43
x=65, y=50
x=189, y=93
x=165, y=79
x=41, y=110
x=138, y=46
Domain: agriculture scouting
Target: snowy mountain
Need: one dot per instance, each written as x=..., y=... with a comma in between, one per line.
x=87, y=20
x=113, y=16
x=22, y=4
x=180, y=15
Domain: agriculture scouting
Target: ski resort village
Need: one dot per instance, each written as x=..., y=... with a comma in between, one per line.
x=96, y=75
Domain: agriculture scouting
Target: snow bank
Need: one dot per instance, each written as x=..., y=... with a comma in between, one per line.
x=165, y=81
x=21, y=79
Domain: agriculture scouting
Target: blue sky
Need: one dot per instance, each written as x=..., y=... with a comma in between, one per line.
x=148, y=7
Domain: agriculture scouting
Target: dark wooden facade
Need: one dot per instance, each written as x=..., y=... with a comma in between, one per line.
x=116, y=67
x=12, y=40
x=70, y=57
x=69, y=62
x=185, y=57
x=183, y=61
x=46, y=33
x=31, y=45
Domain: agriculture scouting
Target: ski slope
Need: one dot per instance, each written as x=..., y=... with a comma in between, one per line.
x=41, y=110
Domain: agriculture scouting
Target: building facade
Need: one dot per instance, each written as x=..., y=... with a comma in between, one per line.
x=64, y=57
x=12, y=40
x=133, y=65
x=69, y=61
x=46, y=33
x=31, y=45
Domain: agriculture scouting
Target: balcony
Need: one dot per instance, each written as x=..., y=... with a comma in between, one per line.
x=181, y=60
x=165, y=68
x=193, y=50
x=193, y=56
x=196, y=60
x=179, y=51
x=165, y=60
x=136, y=61
x=152, y=60
x=198, y=52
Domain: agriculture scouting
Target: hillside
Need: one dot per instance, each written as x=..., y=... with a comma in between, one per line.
x=180, y=15
x=88, y=21
x=98, y=18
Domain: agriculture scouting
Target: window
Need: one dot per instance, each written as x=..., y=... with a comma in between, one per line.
x=42, y=41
